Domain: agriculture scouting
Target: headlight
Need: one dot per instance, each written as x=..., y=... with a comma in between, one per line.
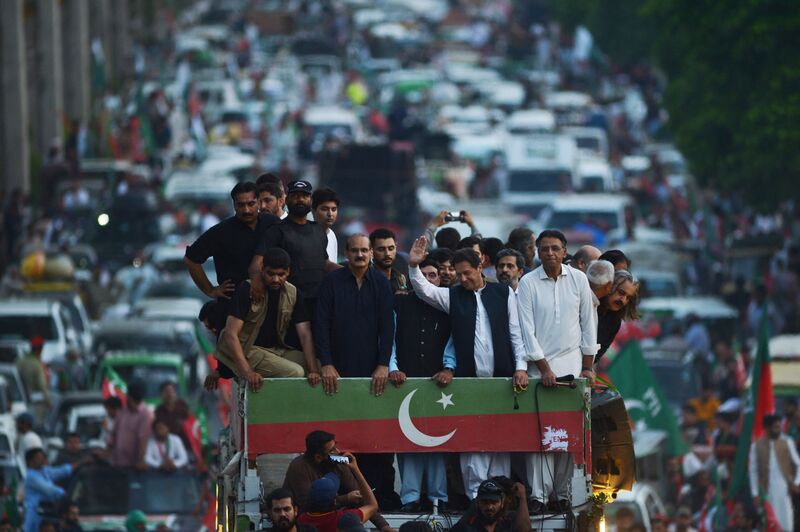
x=102, y=220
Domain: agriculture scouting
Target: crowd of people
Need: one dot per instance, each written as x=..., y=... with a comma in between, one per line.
x=283, y=308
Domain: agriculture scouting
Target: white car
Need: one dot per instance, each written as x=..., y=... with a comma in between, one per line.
x=644, y=501
x=22, y=319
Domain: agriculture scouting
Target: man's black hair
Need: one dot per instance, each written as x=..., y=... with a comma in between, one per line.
x=30, y=454
x=165, y=384
x=615, y=256
x=315, y=442
x=321, y=195
x=491, y=247
x=508, y=252
x=72, y=434
x=441, y=255
x=269, y=177
x=466, y=255
x=447, y=238
x=468, y=242
x=215, y=313
x=274, y=189
x=518, y=238
x=278, y=494
x=381, y=233
x=552, y=233
x=136, y=390
x=243, y=188
x=277, y=258
x=112, y=402
x=428, y=262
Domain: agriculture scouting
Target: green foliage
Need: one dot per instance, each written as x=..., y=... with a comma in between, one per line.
x=733, y=92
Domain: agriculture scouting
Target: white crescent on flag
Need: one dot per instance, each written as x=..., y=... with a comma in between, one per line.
x=412, y=432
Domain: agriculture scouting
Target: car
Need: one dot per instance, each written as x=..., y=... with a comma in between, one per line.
x=594, y=175
x=152, y=369
x=80, y=412
x=169, y=308
x=17, y=392
x=22, y=319
x=656, y=283
x=784, y=352
x=78, y=324
x=720, y=318
x=12, y=349
x=531, y=121
x=537, y=164
x=105, y=495
x=146, y=335
x=592, y=141
x=586, y=218
x=644, y=501
x=677, y=372
x=329, y=120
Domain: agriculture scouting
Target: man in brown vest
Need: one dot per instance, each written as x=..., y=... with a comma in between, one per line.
x=254, y=341
x=775, y=471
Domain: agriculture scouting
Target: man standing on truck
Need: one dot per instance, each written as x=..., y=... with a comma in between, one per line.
x=253, y=342
x=231, y=243
x=420, y=340
x=559, y=325
x=306, y=243
x=325, y=209
x=354, y=332
x=384, y=252
x=486, y=336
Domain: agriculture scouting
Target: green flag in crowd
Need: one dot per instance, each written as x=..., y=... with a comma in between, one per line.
x=643, y=396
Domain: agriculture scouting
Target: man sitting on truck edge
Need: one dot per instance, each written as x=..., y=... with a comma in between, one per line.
x=283, y=512
x=253, y=341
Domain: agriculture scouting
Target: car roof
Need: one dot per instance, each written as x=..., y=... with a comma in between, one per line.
x=785, y=346
x=594, y=202
x=33, y=306
x=141, y=326
x=127, y=358
x=680, y=307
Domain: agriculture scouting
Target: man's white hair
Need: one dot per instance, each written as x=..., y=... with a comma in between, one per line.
x=600, y=272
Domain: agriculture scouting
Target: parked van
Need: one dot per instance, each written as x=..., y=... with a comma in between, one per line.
x=22, y=319
x=592, y=141
x=586, y=218
x=594, y=175
x=531, y=121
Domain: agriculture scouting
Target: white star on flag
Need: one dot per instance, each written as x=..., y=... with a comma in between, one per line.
x=446, y=400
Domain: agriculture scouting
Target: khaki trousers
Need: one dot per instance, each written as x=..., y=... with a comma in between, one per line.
x=277, y=362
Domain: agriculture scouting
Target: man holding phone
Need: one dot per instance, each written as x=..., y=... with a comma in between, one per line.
x=317, y=462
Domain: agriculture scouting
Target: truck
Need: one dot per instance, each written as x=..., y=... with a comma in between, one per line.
x=469, y=415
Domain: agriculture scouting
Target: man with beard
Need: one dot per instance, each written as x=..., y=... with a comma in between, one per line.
x=231, y=243
x=314, y=464
x=283, y=512
x=774, y=469
x=254, y=341
x=621, y=304
x=384, y=253
x=486, y=337
x=509, y=267
x=305, y=242
x=490, y=511
x=275, y=201
x=559, y=326
x=354, y=331
x=447, y=274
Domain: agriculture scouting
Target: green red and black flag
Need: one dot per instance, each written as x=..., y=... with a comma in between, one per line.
x=470, y=415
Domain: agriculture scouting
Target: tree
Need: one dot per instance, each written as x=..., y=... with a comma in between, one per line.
x=733, y=92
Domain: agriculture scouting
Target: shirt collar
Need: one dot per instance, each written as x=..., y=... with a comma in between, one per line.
x=543, y=274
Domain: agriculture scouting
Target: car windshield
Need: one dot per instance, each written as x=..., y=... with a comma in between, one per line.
x=151, y=375
x=25, y=327
x=173, y=288
x=605, y=221
x=107, y=491
x=14, y=391
x=538, y=181
x=679, y=381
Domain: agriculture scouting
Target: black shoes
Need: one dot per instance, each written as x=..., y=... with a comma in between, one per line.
x=411, y=508
x=536, y=507
x=559, y=507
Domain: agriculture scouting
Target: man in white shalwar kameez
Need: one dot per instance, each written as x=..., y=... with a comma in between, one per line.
x=559, y=327
x=774, y=469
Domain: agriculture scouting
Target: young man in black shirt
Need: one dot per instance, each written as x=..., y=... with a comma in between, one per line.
x=231, y=243
x=283, y=512
x=304, y=241
x=490, y=511
x=253, y=343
